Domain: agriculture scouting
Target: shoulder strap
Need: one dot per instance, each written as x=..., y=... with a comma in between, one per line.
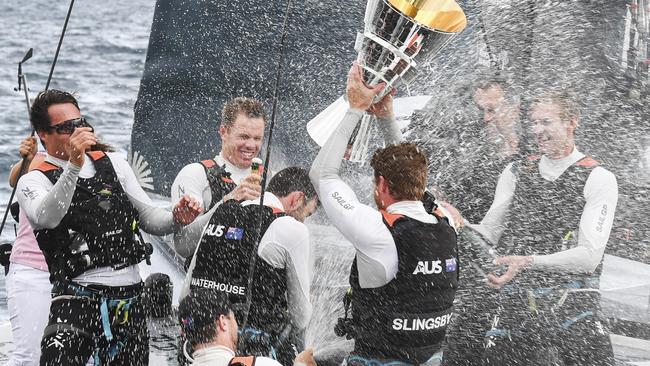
x=212, y=169
x=208, y=163
x=50, y=170
x=242, y=361
x=532, y=158
x=587, y=162
x=46, y=167
x=96, y=155
x=527, y=164
x=218, y=179
x=389, y=218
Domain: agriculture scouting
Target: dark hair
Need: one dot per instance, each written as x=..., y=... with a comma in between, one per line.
x=292, y=179
x=39, y=116
x=404, y=167
x=250, y=107
x=198, y=312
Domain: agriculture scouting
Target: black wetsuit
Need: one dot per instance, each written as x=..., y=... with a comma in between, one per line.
x=470, y=188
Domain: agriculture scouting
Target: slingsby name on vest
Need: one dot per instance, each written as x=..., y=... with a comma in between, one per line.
x=225, y=287
x=421, y=324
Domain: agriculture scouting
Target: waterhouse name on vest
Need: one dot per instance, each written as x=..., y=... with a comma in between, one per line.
x=225, y=287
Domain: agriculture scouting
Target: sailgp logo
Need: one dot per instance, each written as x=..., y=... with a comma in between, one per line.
x=428, y=267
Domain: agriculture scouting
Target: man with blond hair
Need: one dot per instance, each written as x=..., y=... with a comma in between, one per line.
x=550, y=220
x=227, y=175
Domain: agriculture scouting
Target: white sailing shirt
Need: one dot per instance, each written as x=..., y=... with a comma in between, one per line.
x=46, y=204
x=362, y=225
x=601, y=196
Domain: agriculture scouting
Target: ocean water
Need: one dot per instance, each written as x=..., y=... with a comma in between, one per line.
x=102, y=58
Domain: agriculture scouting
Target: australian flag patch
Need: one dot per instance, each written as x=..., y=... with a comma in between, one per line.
x=234, y=233
x=450, y=265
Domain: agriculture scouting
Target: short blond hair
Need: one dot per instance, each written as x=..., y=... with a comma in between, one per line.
x=250, y=107
x=565, y=101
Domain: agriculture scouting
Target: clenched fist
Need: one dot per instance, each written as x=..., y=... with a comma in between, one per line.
x=360, y=96
x=28, y=148
x=249, y=189
x=80, y=141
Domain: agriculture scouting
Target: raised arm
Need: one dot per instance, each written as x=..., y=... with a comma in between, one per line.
x=388, y=128
x=28, y=150
x=360, y=224
x=45, y=204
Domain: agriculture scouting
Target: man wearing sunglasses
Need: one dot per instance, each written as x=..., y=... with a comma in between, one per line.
x=86, y=207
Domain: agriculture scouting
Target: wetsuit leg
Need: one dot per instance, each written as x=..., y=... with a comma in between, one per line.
x=68, y=337
x=465, y=339
x=584, y=339
x=518, y=337
x=131, y=344
x=180, y=356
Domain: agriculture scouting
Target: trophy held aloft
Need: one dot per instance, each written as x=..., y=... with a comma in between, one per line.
x=399, y=37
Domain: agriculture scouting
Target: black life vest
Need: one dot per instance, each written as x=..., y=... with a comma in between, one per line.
x=544, y=217
x=406, y=319
x=223, y=258
x=220, y=184
x=100, y=228
x=219, y=179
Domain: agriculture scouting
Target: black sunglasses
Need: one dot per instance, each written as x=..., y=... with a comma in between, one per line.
x=68, y=127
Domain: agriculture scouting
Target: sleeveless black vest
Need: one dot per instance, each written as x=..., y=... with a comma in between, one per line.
x=99, y=229
x=406, y=319
x=544, y=216
x=223, y=258
x=220, y=185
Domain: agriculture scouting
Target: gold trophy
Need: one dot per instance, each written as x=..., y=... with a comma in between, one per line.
x=399, y=37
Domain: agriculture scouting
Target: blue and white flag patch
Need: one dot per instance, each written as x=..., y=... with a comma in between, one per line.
x=234, y=233
x=450, y=265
